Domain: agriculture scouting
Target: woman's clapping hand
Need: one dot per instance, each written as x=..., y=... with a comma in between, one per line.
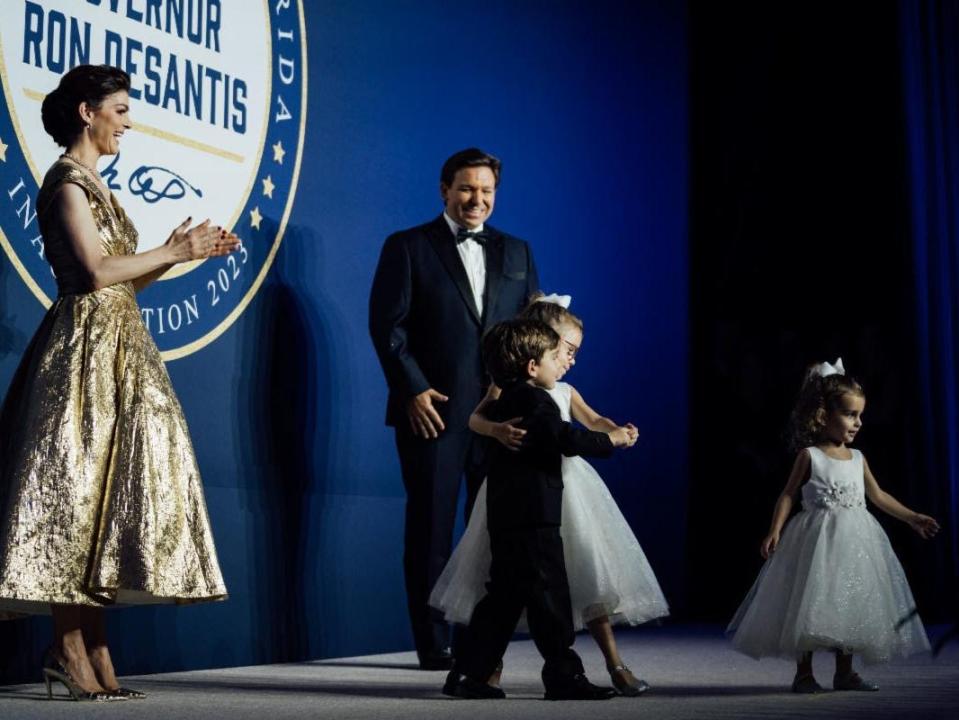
x=201, y=241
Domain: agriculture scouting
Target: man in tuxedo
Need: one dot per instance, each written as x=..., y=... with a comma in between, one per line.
x=438, y=287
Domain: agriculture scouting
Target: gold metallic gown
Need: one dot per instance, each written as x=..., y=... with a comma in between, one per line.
x=100, y=494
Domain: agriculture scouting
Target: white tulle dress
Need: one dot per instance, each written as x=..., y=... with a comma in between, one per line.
x=607, y=569
x=833, y=582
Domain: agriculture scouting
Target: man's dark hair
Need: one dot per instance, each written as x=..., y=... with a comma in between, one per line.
x=509, y=346
x=470, y=157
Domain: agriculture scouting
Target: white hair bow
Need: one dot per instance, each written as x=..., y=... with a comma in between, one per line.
x=824, y=369
x=562, y=300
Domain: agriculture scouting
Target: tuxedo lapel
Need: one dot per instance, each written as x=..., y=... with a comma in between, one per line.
x=494, y=274
x=444, y=244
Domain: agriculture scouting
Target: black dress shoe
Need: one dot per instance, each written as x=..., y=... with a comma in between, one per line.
x=441, y=659
x=806, y=685
x=458, y=685
x=578, y=688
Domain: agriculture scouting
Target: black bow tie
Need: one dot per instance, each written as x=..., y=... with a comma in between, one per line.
x=480, y=236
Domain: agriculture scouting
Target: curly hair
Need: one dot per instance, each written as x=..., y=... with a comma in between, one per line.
x=85, y=83
x=551, y=313
x=509, y=346
x=818, y=397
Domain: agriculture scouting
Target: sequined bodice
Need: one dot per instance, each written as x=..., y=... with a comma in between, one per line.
x=116, y=232
x=833, y=483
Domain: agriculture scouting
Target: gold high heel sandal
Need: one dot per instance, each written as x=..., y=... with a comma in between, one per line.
x=54, y=669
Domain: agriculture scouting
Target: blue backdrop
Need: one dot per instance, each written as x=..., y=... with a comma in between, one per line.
x=586, y=105
x=929, y=35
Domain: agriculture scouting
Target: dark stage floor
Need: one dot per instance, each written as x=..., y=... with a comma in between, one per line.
x=693, y=672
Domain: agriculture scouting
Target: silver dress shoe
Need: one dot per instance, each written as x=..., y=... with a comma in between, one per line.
x=625, y=682
x=852, y=681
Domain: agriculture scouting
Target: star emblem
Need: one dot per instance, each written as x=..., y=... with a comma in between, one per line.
x=268, y=186
x=255, y=217
x=278, y=152
x=3, y=150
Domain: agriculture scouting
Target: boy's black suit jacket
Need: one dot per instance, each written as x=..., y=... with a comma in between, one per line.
x=525, y=488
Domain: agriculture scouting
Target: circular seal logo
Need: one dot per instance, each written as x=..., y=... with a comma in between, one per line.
x=218, y=104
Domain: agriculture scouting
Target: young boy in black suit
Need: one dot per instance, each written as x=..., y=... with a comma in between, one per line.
x=524, y=506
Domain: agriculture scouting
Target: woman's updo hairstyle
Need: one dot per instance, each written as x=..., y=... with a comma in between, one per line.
x=553, y=314
x=818, y=397
x=84, y=83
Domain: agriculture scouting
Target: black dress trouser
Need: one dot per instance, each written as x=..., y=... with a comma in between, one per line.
x=528, y=571
x=432, y=473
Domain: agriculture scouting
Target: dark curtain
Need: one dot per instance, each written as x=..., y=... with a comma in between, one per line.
x=801, y=250
x=929, y=31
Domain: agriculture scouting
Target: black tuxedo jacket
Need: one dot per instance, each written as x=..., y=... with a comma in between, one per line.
x=423, y=321
x=525, y=488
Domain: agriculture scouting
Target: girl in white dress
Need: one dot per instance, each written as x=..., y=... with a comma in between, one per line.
x=831, y=580
x=610, y=579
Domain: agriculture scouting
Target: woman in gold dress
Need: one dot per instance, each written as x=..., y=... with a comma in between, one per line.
x=101, y=501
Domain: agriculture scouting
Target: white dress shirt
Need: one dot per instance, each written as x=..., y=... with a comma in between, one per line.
x=473, y=256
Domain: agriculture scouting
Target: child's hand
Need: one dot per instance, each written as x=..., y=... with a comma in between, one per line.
x=631, y=433
x=769, y=544
x=926, y=526
x=508, y=434
x=620, y=437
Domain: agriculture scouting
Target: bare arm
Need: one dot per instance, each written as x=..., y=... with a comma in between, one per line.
x=478, y=421
x=589, y=418
x=73, y=218
x=506, y=432
x=784, y=503
x=145, y=280
x=922, y=524
x=586, y=416
x=225, y=243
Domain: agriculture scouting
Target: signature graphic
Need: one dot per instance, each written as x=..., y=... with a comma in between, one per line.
x=148, y=178
x=109, y=174
x=151, y=182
